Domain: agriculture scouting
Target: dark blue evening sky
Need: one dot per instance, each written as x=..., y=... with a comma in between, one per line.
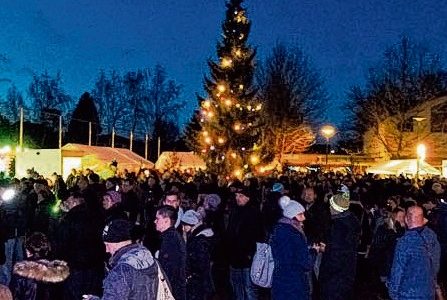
x=78, y=37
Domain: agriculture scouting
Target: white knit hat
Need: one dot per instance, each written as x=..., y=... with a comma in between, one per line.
x=292, y=209
x=283, y=201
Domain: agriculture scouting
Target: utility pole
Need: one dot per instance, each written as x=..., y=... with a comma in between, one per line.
x=89, y=133
x=113, y=137
x=21, y=130
x=60, y=132
x=131, y=140
x=146, y=142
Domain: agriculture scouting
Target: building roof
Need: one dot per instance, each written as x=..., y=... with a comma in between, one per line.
x=179, y=160
x=124, y=157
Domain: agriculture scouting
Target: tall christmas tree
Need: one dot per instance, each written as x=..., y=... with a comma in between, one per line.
x=230, y=115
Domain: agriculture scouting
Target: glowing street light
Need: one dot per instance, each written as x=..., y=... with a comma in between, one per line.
x=421, y=151
x=328, y=131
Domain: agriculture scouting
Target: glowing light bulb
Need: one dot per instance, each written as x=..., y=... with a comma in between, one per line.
x=210, y=114
x=221, y=88
x=241, y=86
x=208, y=140
x=238, y=53
x=205, y=133
x=237, y=126
x=226, y=62
x=233, y=155
x=206, y=103
x=220, y=140
x=254, y=159
x=228, y=102
x=212, y=148
x=248, y=107
x=259, y=107
x=245, y=166
x=237, y=173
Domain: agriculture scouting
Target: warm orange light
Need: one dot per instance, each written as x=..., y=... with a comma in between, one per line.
x=226, y=62
x=210, y=114
x=220, y=140
x=221, y=88
x=205, y=133
x=259, y=107
x=207, y=103
x=228, y=102
x=328, y=131
x=237, y=173
x=233, y=155
x=254, y=159
x=208, y=140
x=237, y=126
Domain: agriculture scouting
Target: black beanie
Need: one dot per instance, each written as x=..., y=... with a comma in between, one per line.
x=117, y=231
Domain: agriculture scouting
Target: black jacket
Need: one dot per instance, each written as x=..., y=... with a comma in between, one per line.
x=79, y=239
x=338, y=264
x=244, y=230
x=199, y=245
x=172, y=258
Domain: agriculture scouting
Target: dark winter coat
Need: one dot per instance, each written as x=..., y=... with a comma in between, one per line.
x=292, y=262
x=243, y=231
x=132, y=276
x=317, y=223
x=172, y=258
x=15, y=214
x=438, y=222
x=43, y=220
x=79, y=239
x=199, y=245
x=339, y=261
x=415, y=265
x=37, y=280
x=382, y=248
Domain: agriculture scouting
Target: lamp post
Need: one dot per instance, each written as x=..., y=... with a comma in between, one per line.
x=421, y=150
x=327, y=131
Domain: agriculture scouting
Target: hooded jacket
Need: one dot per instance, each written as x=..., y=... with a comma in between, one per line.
x=132, y=275
x=199, y=284
x=37, y=280
x=415, y=265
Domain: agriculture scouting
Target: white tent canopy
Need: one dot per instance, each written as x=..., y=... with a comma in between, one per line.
x=403, y=166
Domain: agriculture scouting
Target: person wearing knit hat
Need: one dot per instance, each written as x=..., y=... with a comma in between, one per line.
x=339, y=260
x=191, y=218
x=278, y=188
x=339, y=203
x=133, y=270
x=198, y=237
x=294, y=210
x=291, y=255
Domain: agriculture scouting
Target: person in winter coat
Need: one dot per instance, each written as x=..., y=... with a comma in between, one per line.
x=37, y=278
x=438, y=222
x=133, y=272
x=291, y=255
x=79, y=243
x=172, y=254
x=199, y=284
x=416, y=260
x=338, y=263
x=244, y=230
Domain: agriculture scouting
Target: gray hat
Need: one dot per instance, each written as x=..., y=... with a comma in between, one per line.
x=292, y=209
x=212, y=201
x=278, y=187
x=191, y=217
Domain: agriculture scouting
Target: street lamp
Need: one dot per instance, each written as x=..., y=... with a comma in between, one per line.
x=421, y=150
x=327, y=131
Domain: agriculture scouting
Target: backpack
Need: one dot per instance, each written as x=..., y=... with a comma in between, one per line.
x=164, y=288
x=261, y=271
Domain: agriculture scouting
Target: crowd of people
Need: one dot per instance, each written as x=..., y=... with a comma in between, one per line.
x=188, y=236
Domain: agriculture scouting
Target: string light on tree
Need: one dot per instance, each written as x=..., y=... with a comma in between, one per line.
x=230, y=111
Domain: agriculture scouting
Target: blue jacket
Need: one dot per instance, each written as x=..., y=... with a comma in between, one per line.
x=415, y=265
x=133, y=275
x=292, y=262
